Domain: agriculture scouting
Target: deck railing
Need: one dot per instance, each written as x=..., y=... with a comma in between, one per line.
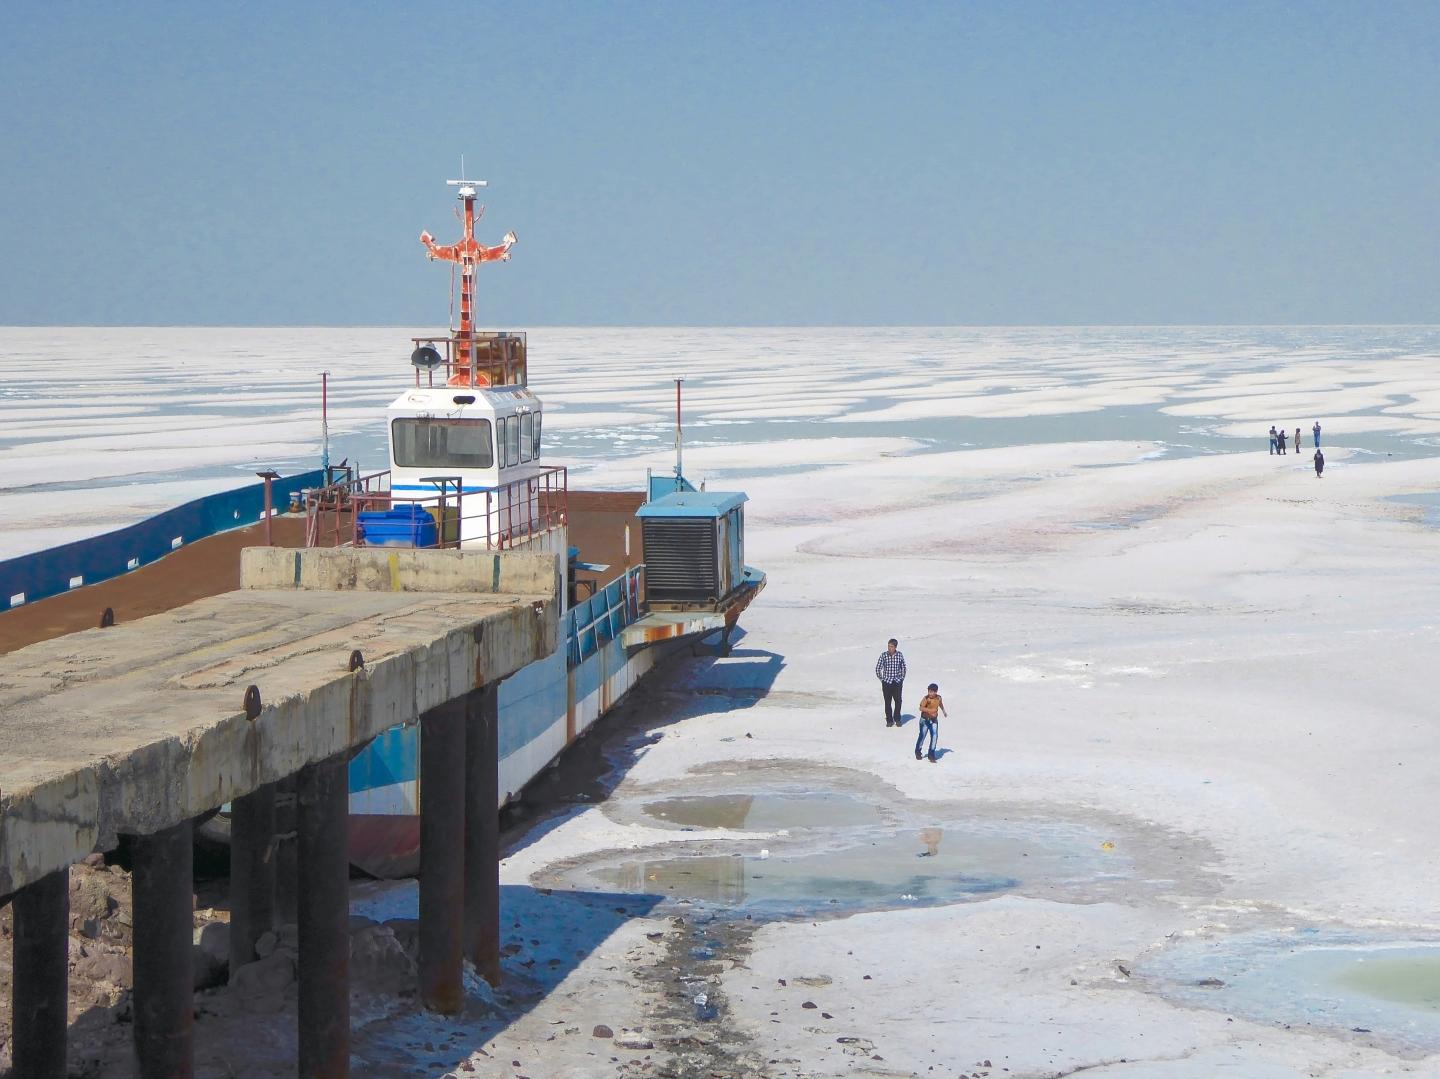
x=599, y=619
x=498, y=356
x=513, y=513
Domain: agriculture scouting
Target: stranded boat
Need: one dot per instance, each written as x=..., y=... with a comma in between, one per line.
x=467, y=470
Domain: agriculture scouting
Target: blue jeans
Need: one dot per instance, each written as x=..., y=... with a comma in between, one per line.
x=931, y=725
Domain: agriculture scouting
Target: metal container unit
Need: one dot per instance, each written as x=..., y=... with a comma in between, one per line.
x=694, y=548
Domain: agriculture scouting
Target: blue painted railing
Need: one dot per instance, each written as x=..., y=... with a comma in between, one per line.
x=49, y=573
x=599, y=619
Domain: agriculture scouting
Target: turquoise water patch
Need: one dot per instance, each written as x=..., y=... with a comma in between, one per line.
x=1333, y=982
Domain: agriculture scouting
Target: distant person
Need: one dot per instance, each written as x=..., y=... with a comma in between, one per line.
x=931, y=706
x=1274, y=440
x=1297, y=440
x=1282, y=440
x=1319, y=464
x=1316, y=431
x=890, y=669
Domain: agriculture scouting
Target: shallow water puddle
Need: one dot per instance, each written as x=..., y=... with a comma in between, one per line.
x=867, y=868
x=765, y=812
x=1389, y=991
x=1428, y=501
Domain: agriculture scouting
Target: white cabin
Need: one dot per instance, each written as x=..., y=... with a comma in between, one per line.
x=483, y=442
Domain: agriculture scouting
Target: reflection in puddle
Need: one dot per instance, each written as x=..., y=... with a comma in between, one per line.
x=1321, y=980
x=765, y=812
x=877, y=868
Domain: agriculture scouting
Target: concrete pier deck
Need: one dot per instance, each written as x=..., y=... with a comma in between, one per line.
x=139, y=727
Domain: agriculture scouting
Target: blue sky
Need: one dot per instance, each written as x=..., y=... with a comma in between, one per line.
x=723, y=163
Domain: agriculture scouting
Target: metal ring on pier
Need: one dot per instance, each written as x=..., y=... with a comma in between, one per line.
x=252, y=703
x=357, y=661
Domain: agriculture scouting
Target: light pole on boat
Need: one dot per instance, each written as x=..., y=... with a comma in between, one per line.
x=679, y=474
x=269, y=476
x=325, y=424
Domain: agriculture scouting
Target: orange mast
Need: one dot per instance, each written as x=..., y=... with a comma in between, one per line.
x=468, y=253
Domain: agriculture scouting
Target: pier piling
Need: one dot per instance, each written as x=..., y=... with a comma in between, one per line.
x=323, y=919
x=284, y=850
x=482, y=832
x=252, y=873
x=41, y=977
x=163, y=882
x=442, y=857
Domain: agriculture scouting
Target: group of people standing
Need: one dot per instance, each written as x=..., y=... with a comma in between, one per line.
x=1278, y=445
x=890, y=669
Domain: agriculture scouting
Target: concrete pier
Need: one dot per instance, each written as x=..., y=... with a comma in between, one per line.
x=41, y=982
x=142, y=727
x=482, y=832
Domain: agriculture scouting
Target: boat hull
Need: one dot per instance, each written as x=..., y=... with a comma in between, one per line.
x=542, y=710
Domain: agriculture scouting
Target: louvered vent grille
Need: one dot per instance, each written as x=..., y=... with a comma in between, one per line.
x=680, y=559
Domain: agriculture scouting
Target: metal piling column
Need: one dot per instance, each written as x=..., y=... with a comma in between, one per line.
x=41, y=976
x=482, y=832
x=442, y=858
x=252, y=873
x=284, y=850
x=323, y=917
x=164, y=999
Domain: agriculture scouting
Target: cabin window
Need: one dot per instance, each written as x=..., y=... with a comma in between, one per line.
x=501, y=424
x=512, y=440
x=535, y=450
x=527, y=436
x=441, y=443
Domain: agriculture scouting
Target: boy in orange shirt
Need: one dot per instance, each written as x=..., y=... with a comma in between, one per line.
x=931, y=705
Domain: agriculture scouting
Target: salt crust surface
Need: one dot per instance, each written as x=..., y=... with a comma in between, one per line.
x=1225, y=646
x=152, y=404
x=1247, y=665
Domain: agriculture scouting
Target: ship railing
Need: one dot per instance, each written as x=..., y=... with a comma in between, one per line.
x=330, y=508
x=600, y=618
x=514, y=513
x=499, y=356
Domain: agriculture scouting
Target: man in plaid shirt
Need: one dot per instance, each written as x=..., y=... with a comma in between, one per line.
x=890, y=669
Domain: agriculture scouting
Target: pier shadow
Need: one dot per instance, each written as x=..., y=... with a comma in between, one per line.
x=544, y=936
x=686, y=685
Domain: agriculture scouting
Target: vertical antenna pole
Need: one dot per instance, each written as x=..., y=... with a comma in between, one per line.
x=325, y=423
x=467, y=291
x=678, y=473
